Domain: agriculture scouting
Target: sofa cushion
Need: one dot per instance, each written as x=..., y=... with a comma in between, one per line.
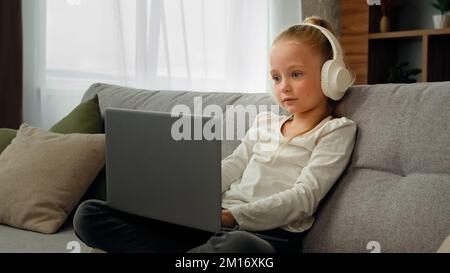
x=14, y=240
x=43, y=175
x=396, y=189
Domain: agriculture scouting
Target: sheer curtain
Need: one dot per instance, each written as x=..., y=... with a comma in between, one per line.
x=199, y=45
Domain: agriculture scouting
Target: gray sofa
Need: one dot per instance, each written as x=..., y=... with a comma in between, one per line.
x=393, y=197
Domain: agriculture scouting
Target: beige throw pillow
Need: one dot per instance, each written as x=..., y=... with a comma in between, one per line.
x=43, y=175
x=445, y=247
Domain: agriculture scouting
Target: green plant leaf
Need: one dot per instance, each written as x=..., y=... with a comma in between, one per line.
x=400, y=73
x=441, y=5
x=414, y=71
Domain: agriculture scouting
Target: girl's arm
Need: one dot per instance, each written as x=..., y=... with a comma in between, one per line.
x=328, y=161
x=234, y=165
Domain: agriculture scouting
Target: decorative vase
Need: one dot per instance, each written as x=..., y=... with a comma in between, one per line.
x=441, y=21
x=384, y=24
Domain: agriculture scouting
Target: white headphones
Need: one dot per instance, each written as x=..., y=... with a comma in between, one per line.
x=335, y=77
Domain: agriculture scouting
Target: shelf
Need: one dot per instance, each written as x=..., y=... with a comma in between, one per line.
x=385, y=53
x=372, y=54
x=408, y=33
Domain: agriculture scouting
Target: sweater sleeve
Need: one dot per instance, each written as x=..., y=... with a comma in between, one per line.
x=328, y=160
x=234, y=165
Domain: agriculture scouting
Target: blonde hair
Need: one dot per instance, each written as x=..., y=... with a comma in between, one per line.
x=318, y=42
x=309, y=35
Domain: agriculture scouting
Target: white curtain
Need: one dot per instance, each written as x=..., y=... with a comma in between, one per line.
x=199, y=45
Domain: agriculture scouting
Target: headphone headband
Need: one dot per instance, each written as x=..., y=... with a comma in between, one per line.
x=337, y=51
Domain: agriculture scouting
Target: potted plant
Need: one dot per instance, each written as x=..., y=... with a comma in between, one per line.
x=400, y=73
x=387, y=6
x=441, y=20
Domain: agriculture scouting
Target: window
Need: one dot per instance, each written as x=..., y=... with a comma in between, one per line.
x=199, y=45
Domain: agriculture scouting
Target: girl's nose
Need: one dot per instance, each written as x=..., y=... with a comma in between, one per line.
x=285, y=86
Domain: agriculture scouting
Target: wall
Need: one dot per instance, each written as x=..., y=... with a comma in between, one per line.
x=283, y=14
x=327, y=9
x=410, y=18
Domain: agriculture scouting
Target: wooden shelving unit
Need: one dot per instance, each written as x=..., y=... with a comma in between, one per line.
x=434, y=59
x=371, y=54
x=409, y=33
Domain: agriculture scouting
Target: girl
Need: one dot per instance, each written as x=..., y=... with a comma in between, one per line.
x=268, y=198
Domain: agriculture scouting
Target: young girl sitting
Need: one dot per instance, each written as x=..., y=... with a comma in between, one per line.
x=268, y=197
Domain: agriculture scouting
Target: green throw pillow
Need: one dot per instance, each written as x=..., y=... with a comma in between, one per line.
x=6, y=136
x=84, y=119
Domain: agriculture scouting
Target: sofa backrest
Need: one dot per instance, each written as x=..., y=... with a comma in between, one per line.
x=163, y=101
x=395, y=194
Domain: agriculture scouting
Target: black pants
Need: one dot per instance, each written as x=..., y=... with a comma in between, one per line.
x=100, y=226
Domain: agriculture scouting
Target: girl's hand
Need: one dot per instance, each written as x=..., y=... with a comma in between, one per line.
x=228, y=219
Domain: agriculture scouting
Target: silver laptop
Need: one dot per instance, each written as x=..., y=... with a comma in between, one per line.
x=152, y=174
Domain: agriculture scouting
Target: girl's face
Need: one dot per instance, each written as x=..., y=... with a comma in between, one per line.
x=296, y=72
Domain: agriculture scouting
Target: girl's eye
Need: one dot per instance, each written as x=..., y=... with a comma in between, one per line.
x=297, y=74
x=276, y=78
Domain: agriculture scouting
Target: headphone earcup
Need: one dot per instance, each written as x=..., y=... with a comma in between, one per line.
x=336, y=79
